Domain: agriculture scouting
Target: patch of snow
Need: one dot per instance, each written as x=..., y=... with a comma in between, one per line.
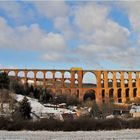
x=109, y=116
x=127, y=134
x=134, y=109
x=40, y=109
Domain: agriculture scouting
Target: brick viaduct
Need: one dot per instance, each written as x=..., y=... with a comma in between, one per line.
x=118, y=85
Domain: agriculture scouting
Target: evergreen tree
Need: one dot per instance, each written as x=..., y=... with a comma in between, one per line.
x=36, y=93
x=95, y=112
x=4, y=80
x=105, y=109
x=45, y=96
x=25, y=108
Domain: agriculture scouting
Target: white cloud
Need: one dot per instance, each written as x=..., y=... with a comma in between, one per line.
x=31, y=39
x=11, y=8
x=58, y=12
x=18, y=11
x=103, y=39
x=63, y=25
x=111, y=35
x=90, y=17
x=99, y=37
x=94, y=54
x=51, y=9
x=133, y=11
x=52, y=57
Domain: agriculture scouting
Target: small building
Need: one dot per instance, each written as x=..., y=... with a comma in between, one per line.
x=135, y=110
x=120, y=111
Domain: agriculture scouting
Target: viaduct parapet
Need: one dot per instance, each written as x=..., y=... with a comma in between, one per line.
x=117, y=85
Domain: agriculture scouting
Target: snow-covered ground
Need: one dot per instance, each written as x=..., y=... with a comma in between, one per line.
x=40, y=109
x=79, y=135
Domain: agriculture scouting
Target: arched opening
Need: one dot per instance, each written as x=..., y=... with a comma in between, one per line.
x=89, y=95
x=77, y=93
x=39, y=78
x=30, y=77
x=67, y=74
x=133, y=83
x=133, y=75
x=58, y=74
x=126, y=83
x=126, y=75
x=49, y=79
x=89, y=80
x=110, y=76
x=39, y=75
x=30, y=74
x=67, y=83
x=119, y=95
x=102, y=76
x=58, y=83
x=118, y=75
x=21, y=76
x=49, y=75
x=12, y=77
x=135, y=92
x=111, y=91
x=76, y=83
x=110, y=83
x=102, y=83
x=11, y=74
x=127, y=93
x=76, y=75
x=118, y=83
x=58, y=79
x=103, y=95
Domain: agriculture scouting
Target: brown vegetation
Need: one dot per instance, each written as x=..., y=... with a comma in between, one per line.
x=85, y=124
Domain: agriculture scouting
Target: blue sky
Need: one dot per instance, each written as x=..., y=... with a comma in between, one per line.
x=65, y=34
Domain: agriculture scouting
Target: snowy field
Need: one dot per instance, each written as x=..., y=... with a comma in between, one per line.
x=79, y=135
